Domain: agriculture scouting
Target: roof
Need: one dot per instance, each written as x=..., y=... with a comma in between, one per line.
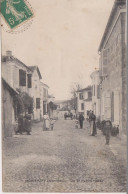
x=50, y=96
x=85, y=89
x=88, y=99
x=117, y=3
x=44, y=84
x=11, y=58
x=7, y=85
x=94, y=73
x=36, y=68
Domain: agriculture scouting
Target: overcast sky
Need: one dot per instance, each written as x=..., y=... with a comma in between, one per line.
x=63, y=41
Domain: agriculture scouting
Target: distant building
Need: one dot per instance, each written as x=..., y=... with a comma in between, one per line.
x=95, y=77
x=84, y=100
x=113, y=68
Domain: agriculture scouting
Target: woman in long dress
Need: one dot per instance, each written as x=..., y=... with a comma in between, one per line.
x=46, y=124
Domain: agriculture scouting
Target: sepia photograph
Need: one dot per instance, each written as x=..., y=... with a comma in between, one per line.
x=64, y=96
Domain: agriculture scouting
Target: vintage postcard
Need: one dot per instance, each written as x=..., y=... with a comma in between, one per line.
x=64, y=96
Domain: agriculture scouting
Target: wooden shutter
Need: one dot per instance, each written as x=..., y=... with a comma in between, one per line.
x=22, y=77
x=82, y=106
x=98, y=91
x=81, y=96
x=112, y=106
x=37, y=103
x=116, y=107
x=107, y=106
x=94, y=90
x=29, y=80
x=104, y=62
x=89, y=95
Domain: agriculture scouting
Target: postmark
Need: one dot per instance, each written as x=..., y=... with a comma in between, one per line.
x=16, y=13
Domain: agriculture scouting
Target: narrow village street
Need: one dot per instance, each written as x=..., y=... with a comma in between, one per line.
x=63, y=160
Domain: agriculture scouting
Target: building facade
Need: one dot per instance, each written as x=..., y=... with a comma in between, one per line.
x=113, y=69
x=24, y=79
x=9, y=96
x=84, y=100
x=16, y=73
x=44, y=98
x=95, y=77
x=35, y=92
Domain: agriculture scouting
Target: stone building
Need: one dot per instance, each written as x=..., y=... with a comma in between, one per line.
x=16, y=73
x=113, y=69
x=23, y=78
x=9, y=96
x=95, y=77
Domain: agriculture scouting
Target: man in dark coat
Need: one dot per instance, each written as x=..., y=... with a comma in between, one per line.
x=65, y=115
x=28, y=124
x=93, y=117
x=20, y=124
x=107, y=131
x=81, y=119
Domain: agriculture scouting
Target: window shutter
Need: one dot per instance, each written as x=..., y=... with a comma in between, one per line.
x=94, y=90
x=37, y=103
x=89, y=95
x=82, y=106
x=108, y=106
x=98, y=91
x=81, y=96
x=22, y=77
x=104, y=63
x=29, y=80
x=112, y=107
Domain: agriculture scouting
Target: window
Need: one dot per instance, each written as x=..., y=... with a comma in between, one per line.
x=22, y=77
x=82, y=106
x=98, y=91
x=94, y=90
x=29, y=76
x=89, y=95
x=104, y=62
x=37, y=103
x=80, y=96
x=45, y=92
x=112, y=106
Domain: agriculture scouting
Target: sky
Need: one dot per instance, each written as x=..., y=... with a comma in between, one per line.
x=62, y=40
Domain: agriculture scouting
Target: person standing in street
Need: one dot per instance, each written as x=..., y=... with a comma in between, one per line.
x=107, y=131
x=46, y=122
x=81, y=119
x=91, y=122
x=65, y=115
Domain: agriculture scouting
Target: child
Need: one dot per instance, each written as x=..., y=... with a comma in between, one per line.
x=76, y=124
x=52, y=124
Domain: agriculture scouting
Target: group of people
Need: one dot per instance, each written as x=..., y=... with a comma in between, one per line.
x=106, y=128
x=92, y=122
x=48, y=123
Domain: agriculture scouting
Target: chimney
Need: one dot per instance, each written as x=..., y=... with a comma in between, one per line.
x=8, y=53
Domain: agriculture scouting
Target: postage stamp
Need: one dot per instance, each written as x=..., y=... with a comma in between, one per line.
x=15, y=12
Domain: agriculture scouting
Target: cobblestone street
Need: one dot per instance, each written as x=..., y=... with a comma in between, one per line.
x=63, y=160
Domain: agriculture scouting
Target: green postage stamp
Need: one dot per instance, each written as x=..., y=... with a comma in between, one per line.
x=15, y=12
